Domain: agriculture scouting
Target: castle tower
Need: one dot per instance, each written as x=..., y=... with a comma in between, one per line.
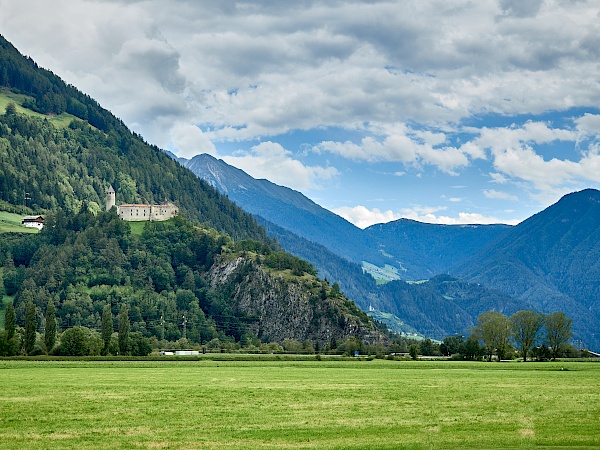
x=110, y=198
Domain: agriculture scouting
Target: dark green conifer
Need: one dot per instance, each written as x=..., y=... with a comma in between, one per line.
x=50, y=328
x=124, y=330
x=30, y=327
x=107, y=327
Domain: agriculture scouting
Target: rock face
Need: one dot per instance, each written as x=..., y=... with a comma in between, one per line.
x=280, y=306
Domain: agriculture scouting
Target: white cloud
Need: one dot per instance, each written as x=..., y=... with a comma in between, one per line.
x=405, y=145
x=589, y=125
x=363, y=217
x=263, y=68
x=189, y=141
x=271, y=161
x=462, y=218
x=517, y=153
x=499, y=195
x=498, y=178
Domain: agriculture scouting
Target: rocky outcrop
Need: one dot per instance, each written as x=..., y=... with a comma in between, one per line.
x=281, y=306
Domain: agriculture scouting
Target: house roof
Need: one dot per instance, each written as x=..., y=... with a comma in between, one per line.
x=32, y=218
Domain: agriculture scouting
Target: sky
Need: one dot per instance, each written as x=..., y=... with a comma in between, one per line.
x=447, y=112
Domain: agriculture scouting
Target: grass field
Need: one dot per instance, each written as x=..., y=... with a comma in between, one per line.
x=311, y=404
x=11, y=223
x=6, y=96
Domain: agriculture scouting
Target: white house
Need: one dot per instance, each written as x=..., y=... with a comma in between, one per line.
x=33, y=222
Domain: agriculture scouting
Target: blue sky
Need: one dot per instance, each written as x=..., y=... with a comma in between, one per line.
x=444, y=112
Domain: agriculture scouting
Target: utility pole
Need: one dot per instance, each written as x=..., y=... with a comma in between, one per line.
x=162, y=328
x=26, y=197
x=184, y=325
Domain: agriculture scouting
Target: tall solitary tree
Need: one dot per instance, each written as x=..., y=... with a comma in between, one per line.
x=30, y=327
x=123, y=330
x=10, y=321
x=50, y=328
x=525, y=329
x=107, y=327
x=493, y=328
x=558, y=331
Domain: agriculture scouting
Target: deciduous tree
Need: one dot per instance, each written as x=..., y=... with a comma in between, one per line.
x=525, y=329
x=493, y=328
x=73, y=342
x=558, y=331
x=413, y=351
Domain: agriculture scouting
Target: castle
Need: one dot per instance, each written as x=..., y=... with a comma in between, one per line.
x=140, y=212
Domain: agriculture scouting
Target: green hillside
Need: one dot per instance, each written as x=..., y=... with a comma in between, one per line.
x=170, y=270
x=64, y=150
x=6, y=97
x=208, y=275
x=551, y=261
x=11, y=223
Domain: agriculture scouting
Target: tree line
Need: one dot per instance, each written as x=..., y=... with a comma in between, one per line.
x=526, y=333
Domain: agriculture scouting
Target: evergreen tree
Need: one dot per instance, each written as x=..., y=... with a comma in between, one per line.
x=11, y=109
x=30, y=327
x=50, y=329
x=107, y=327
x=124, y=330
x=10, y=323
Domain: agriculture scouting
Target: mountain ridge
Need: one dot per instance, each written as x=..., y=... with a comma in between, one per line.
x=475, y=253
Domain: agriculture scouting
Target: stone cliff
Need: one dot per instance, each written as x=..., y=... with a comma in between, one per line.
x=282, y=306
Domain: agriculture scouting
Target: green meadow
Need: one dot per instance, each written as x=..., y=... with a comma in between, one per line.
x=11, y=223
x=298, y=404
x=61, y=121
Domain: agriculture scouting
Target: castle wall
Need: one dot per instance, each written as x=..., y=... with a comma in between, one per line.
x=133, y=212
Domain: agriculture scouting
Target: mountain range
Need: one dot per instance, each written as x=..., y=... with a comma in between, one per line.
x=549, y=262
x=60, y=150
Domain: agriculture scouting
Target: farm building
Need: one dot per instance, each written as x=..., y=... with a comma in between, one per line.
x=33, y=222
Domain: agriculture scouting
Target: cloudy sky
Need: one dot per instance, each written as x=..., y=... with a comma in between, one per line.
x=441, y=111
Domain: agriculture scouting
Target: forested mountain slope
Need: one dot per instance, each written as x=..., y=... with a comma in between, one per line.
x=225, y=290
x=551, y=261
x=423, y=250
x=288, y=209
x=64, y=167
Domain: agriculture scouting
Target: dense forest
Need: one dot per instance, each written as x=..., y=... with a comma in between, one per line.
x=45, y=168
x=81, y=263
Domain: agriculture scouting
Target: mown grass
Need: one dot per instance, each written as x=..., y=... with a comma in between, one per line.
x=11, y=223
x=352, y=404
